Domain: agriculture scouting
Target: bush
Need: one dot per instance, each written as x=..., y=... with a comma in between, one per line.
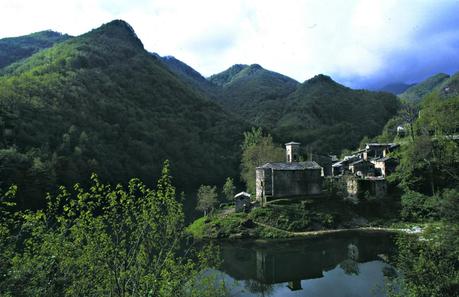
x=417, y=206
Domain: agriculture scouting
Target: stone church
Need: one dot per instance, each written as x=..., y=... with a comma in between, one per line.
x=289, y=179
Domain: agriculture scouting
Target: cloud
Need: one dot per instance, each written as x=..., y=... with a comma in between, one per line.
x=360, y=43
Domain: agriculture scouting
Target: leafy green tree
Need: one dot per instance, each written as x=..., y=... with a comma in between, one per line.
x=409, y=113
x=107, y=241
x=229, y=189
x=257, y=150
x=207, y=198
x=428, y=267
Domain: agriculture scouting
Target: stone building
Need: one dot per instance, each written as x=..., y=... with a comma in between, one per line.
x=293, y=178
x=362, y=167
x=357, y=187
x=242, y=202
x=385, y=165
x=378, y=150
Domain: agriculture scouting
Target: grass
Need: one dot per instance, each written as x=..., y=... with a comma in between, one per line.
x=197, y=228
x=278, y=220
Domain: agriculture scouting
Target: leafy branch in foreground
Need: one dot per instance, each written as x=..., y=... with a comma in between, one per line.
x=106, y=241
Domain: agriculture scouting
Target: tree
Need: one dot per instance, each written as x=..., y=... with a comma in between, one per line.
x=228, y=189
x=257, y=150
x=106, y=241
x=409, y=113
x=207, y=198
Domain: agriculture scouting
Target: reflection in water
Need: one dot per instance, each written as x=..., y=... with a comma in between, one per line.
x=296, y=265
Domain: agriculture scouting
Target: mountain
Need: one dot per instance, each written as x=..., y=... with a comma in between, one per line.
x=450, y=87
x=100, y=103
x=14, y=49
x=190, y=76
x=328, y=117
x=396, y=88
x=418, y=91
x=252, y=92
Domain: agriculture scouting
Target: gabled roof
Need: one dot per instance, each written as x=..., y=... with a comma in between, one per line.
x=384, y=159
x=242, y=194
x=292, y=143
x=292, y=166
x=359, y=161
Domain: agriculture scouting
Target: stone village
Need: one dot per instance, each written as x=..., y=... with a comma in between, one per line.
x=361, y=174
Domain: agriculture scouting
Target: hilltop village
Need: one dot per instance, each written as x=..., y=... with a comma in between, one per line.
x=299, y=196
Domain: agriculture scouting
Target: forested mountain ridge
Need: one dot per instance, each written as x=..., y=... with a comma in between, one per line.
x=329, y=117
x=396, y=88
x=100, y=103
x=13, y=49
x=190, y=76
x=252, y=92
x=317, y=112
x=417, y=92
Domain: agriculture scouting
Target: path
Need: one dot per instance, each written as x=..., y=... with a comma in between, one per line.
x=335, y=231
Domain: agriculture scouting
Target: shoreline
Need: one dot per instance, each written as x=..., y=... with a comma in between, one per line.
x=316, y=234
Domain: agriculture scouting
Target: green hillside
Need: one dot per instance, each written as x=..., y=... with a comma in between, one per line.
x=14, y=49
x=100, y=103
x=253, y=93
x=450, y=87
x=420, y=90
x=329, y=117
x=191, y=77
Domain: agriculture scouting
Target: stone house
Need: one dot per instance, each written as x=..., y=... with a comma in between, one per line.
x=385, y=165
x=357, y=187
x=362, y=167
x=378, y=150
x=242, y=202
x=293, y=178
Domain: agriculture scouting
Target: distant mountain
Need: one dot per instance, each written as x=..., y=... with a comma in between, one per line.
x=252, y=92
x=190, y=76
x=328, y=117
x=16, y=48
x=449, y=87
x=396, y=88
x=418, y=91
x=100, y=103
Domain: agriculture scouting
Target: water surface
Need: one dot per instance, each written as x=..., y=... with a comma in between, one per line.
x=351, y=264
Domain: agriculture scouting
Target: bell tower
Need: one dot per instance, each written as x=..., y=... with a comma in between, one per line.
x=292, y=150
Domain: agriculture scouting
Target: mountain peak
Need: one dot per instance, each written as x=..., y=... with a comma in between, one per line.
x=320, y=78
x=118, y=29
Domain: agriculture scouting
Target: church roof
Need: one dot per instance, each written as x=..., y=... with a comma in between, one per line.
x=292, y=166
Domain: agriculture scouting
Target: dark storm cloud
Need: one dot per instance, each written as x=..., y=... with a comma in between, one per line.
x=433, y=48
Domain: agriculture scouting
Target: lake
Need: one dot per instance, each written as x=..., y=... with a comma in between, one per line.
x=348, y=264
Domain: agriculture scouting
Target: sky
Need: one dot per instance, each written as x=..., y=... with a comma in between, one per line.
x=360, y=43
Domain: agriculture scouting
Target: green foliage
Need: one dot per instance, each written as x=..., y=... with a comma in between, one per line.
x=105, y=241
x=429, y=163
x=430, y=266
x=207, y=198
x=316, y=113
x=257, y=150
x=228, y=189
x=417, y=92
x=17, y=48
x=197, y=228
x=419, y=207
x=100, y=103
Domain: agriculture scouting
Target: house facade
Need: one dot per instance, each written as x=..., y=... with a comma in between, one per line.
x=289, y=179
